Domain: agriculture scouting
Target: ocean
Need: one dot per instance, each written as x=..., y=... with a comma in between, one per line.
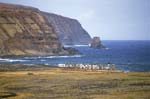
x=126, y=55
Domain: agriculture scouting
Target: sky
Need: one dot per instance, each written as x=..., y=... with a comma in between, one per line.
x=108, y=19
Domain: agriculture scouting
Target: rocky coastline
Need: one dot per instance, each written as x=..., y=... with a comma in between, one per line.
x=26, y=31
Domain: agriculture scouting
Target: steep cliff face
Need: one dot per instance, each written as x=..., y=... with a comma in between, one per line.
x=69, y=30
x=25, y=31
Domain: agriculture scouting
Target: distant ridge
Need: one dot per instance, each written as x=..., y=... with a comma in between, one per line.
x=69, y=30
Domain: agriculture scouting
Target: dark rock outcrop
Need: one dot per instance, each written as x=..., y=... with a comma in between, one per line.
x=25, y=31
x=96, y=43
x=69, y=30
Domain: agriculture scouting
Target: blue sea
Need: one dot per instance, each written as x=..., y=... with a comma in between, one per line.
x=126, y=55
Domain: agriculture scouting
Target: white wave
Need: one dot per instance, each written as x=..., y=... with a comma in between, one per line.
x=46, y=64
x=39, y=57
x=36, y=57
x=107, y=48
x=81, y=45
x=29, y=64
x=76, y=45
x=31, y=57
x=63, y=56
x=12, y=60
x=42, y=60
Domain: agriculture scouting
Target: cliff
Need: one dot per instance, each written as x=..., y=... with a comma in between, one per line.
x=69, y=30
x=25, y=31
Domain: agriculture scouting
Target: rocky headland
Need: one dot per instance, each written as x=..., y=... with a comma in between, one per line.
x=26, y=31
x=69, y=30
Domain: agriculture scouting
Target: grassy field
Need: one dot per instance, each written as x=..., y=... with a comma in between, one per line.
x=55, y=83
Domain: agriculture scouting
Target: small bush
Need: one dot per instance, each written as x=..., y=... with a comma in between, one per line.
x=30, y=74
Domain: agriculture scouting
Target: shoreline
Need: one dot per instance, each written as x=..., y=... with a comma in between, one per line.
x=26, y=67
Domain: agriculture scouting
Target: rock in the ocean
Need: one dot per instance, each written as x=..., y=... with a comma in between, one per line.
x=96, y=43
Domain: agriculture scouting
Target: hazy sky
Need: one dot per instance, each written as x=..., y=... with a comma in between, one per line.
x=109, y=19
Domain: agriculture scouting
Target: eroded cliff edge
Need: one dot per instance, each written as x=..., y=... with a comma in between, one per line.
x=25, y=31
x=69, y=30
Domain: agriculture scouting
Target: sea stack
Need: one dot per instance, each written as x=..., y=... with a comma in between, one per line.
x=96, y=43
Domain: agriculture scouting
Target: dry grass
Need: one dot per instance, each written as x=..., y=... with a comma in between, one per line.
x=61, y=84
